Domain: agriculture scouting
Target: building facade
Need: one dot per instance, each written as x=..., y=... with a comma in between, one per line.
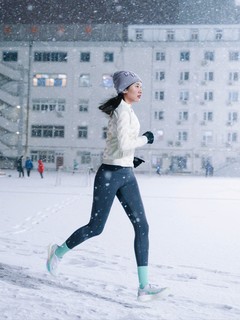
x=54, y=78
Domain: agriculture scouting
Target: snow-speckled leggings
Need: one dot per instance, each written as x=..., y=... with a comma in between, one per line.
x=111, y=181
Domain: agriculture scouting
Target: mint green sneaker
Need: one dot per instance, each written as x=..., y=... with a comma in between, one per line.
x=150, y=292
x=52, y=260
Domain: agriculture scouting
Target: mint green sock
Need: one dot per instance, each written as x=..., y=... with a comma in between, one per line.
x=143, y=276
x=61, y=250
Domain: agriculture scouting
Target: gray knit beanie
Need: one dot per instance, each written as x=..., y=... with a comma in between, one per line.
x=123, y=79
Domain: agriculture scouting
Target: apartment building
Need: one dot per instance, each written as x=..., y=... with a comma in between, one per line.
x=54, y=78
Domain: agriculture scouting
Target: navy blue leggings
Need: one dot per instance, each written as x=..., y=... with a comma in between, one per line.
x=111, y=181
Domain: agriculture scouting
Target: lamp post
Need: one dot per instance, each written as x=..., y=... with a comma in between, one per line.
x=20, y=108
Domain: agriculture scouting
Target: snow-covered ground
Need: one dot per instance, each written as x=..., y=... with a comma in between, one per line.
x=194, y=250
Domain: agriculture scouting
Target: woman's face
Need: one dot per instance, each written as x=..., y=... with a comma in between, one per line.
x=133, y=93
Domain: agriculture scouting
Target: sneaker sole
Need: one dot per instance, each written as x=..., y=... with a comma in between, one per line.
x=150, y=297
x=50, y=252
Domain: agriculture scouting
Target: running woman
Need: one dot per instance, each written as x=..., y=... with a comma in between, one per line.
x=115, y=177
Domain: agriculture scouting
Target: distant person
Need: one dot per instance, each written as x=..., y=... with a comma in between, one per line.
x=209, y=169
x=158, y=171
x=75, y=166
x=40, y=168
x=28, y=166
x=115, y=177
x=20, y=167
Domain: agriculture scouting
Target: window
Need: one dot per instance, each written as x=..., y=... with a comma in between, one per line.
x=219, y=34
x=207, y=137
x=207, y=116
x=139, y=34
x=85, y=57
x=184, y=96
x=46, y=155
x=107, y=81
x=50, y=56
x=83, y=132
x=47, y=131
x=85, y=157
x=185, y=56
x=234, y=55
x=160, y=75
x=182, y=136
x=84, y=80
x=183, y=115
x=108, y=57
x=36, y=131
x=232, y=137
x=83, y=105
x=159, y=95
x=160, y=56
x=10, y=56
x=184, y=76
x=233, y=96
x=49, y=80
x=159, y=115
x=170, y=35
x=48, y=105
x=194, y=35
x=104, y=132
x=209, y=56
x=208, y=96
x=234, y=76
x=232, y=116
x=208, y=76
x=58, y=131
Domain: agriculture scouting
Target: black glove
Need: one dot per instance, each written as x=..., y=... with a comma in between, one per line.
x=137, y=162
x=149, y=136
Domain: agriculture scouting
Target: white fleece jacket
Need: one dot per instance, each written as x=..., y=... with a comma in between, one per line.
x=122, y=137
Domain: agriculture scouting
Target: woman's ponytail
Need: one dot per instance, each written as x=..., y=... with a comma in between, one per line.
x=110, y=105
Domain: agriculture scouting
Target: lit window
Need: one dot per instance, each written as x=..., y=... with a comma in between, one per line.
x=84, y=80
x=49, y=80
x=107, y=81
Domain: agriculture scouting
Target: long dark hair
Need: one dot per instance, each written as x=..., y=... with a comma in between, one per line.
x=111, y=104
